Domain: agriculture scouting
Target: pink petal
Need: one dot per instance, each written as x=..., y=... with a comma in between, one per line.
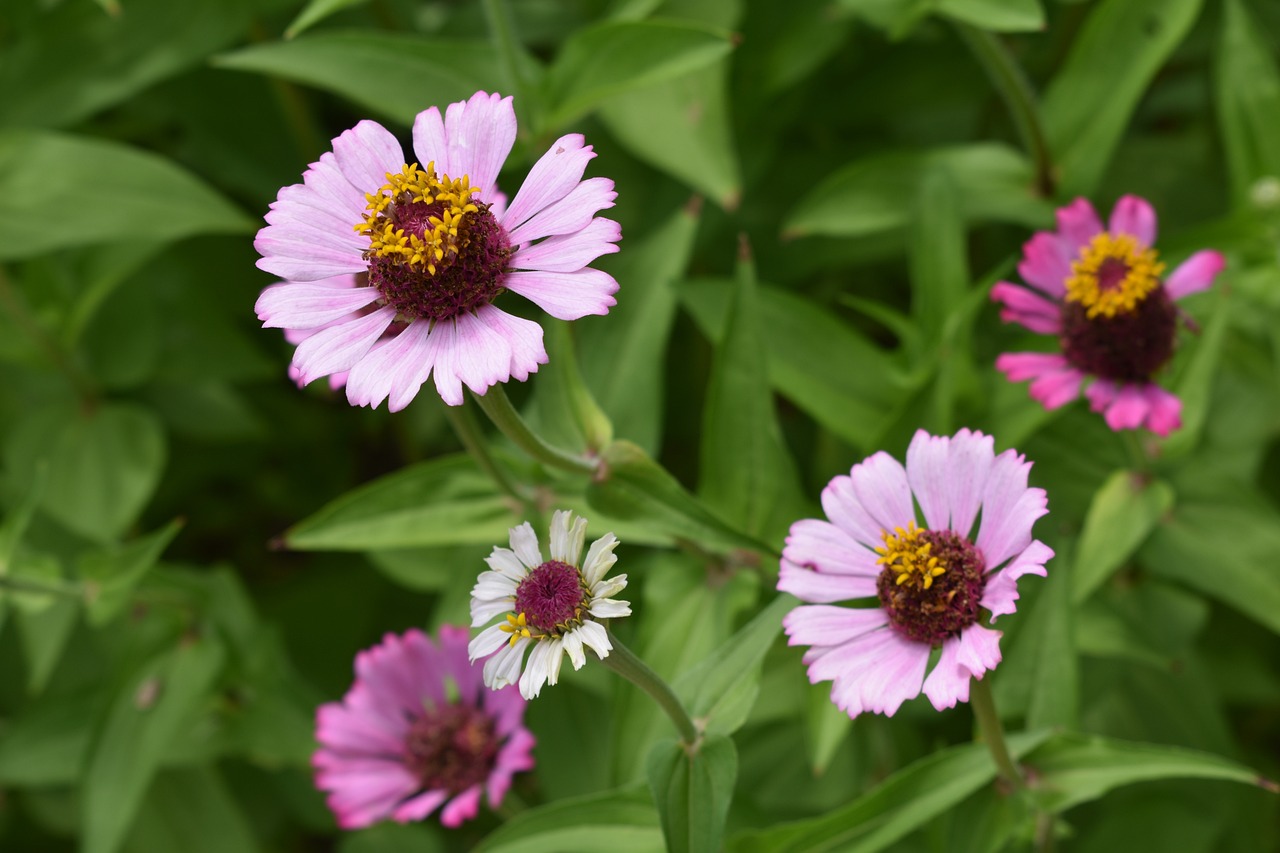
x=1166, y=411
x=338, y=727
x=302, y=206
x=483, y=356
x=948, y=477
x=360, y=801
x=808, y=585
x=1133, y=215
x=1046, y=263
x=430, y=145
x=979, y=649
x=524, y=337
x=298, y=260
x=822, y=546
x=462, y=807
x=880, y=482
x=1019, y=366
x=366, y=153
x=453, y=657
x=416, y=808
x=1009, y=509
x=569, y=214
x=566, y=295
x=1025, y=308
x=1002, y=586
x=551, y=178
x=1195, y=274
x=444, y=338
x=570, y=252
x=297, y=305
x=1078, y=224
x=877, y=673
x=395, y=368
x=340, y=347
x=949, y=682
x=825, y=625
x=515, y=756
x=927, y=474
x=480, y=134
x=847, y=513
x=326, y=180
x=1125, y=407
x=1058, y=388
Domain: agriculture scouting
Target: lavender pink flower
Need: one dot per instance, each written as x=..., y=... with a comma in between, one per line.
x=1103, y=294
x=926, y=583
x=418, y=732
x=427, y=246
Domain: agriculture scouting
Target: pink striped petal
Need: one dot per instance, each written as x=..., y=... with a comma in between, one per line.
x=444, y=339
x=1025, y=308
x=824, y=547
x=825, y=625
x=340, y=347
x=1046, y=263
x=297, y=305
x=979, y=650
x=880, y=482
x=430, y=145
x=881, y=671
x=524, y=337
x=479, y=134
x=395, y=368
x=569, y=214
x=821, y=588
x=1195, y=274
x=1009, y=509
x=570, y=252
x=551, y=178
x=366, y=153
x=566, y=295
x=1078, y=224
x=292, y=259
x=949, y=681
x=847, y=513
x=1002, y=586
x=948, y=477
x=326, y=180
x=1135, y=216
x=483, y=353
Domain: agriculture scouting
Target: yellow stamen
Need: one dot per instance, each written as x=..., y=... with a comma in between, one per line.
x=911, y=557
x=517, y=627
x=1141, y=275
x=416, y=186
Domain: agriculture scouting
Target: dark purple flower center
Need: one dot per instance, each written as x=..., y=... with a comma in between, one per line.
x=1128, y=347
x=551, y=596
x=931, y=583
x=452, y=747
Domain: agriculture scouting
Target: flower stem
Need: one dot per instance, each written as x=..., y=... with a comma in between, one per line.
x=984, y=709
x=1014, y=87
x=624, y=662
x=468, y=431
x=497, y=406
x=1138, y=455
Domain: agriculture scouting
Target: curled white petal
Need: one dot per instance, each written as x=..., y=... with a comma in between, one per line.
x=525, y=544
x=600, y=558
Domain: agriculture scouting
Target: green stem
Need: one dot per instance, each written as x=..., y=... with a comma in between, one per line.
x=624, y=662
x=468, y=431
x=1014, y=87
x=984, y=709
x=1137, y=453
x=17, y=584
x=497, y=406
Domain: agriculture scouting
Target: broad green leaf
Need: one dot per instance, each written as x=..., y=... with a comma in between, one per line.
x=315, y=12
x=44, y=638
x=875, y=194
x=621, y=821
x=624, y=355
x=633, y=486
x=683, y=127
x=1225, y=548
x=1090, y=101
x=387, y=837
x=693, y=791
x=16, y=521
x=998, y=15
x=901, y=804
x=132, y=194
x=1055, y=685
x=1148, y=621
x=1195, y=382
x=368, y=67
x=810, y=356
x=604, y=61
x=827, y=727
x=1247, y=94
x=1122, y=515
x=110, y=574
x=102, y=465
x=897, y=17
x=145, y=718
x=1074, y=768
x=191, y=809
x=746, y=473
x=563, y=410
x=46, y=742
x=446, y=501
x=939, y=261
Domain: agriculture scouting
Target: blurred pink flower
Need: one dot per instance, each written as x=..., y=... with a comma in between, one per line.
x=932, y=581
x=1101, y=292
x=436, y=244
x=417, y=732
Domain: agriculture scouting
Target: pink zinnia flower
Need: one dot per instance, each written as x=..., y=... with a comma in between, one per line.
x=1101, y=292
x=932, y=578
x=433, y=244
x=417, y=732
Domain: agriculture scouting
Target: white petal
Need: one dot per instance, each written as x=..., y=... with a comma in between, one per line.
x=596, y=638
x=559, y=533
x=610, y=608
x=504, y=668
x=573, y=647
x=600, y=558
x=483, y=611
x=487, y=642
x=505, y=562
x=525, y=544
x=607, y=589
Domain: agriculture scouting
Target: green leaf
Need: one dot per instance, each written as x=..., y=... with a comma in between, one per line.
x=363, y=66
x=682, y=127
x=625, y=355
x=693, y=792
x=901, y=804
x=622, y=821
x=1055, y=684
x=876, y=194
x=46, y=742
x=746, y=474
x=132, y=194
x=1247, y=93
x=997, y=15
x=1074, y=768
x=145, y=718
x=44, y=637
x=563, y=410
x=446, y=501
x=110, y=574
x=939, y=260
x=1195, y=382
x=633, y=486
x=102, y=465
x=1121, y=516
x=191, y=809
x=391, y=838
x=604, y=61
x=315, y=12
x=1111, y=65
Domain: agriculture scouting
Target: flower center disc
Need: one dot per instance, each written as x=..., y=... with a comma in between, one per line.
x=434, y=251
x=931, y=583
x=452, y=747
x=550, y=597
x=1113, y=275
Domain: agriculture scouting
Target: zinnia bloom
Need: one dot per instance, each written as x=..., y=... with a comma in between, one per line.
x=1103, y=294
x=551, y=606
x=417, y=732
x=431, y=247
x=932, y=577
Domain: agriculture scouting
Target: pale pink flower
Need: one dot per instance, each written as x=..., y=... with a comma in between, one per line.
x=435, y=244
x=417, y=732
x=931, y=578
x=1103, y=294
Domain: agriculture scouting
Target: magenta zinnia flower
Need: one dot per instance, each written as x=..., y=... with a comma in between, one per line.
x=932, y=577
x=417, y=732
x=1101, y=292
x=432, y=244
